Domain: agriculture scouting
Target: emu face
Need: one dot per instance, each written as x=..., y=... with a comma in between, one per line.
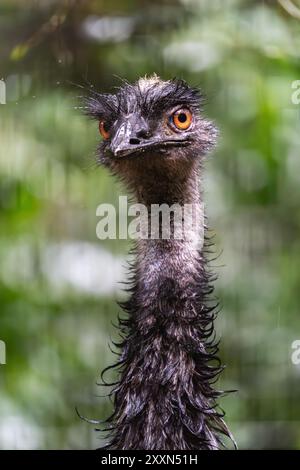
x=151, y=118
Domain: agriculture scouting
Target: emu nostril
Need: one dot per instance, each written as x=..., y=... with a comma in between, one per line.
x=143, y=134
x=134, y=141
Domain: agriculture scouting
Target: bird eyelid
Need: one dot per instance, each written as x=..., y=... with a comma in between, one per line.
x=179, y=106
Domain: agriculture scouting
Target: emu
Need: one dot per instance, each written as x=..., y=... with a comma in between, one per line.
x=155, y=138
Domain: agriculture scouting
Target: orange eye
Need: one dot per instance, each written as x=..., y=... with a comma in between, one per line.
x=104, y=129
x=182, y=119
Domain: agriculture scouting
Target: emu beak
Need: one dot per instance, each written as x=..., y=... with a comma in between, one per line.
x=126, y=140
x=120, y=142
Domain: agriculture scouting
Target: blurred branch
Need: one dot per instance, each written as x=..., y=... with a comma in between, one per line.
x=291, y=8
x=50, y=26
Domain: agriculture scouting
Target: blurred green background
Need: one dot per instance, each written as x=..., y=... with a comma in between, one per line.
x=59, y=283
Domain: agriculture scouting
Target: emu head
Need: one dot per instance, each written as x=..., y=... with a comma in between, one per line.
x=151, y=124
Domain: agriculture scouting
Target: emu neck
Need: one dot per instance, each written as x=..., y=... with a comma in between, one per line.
x=156, y=180
x=176, y=258
x=164, y=400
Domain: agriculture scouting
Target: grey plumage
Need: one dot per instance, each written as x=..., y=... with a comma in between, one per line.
x=165, y=398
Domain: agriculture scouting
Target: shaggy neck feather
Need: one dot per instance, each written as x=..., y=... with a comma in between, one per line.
x=165, y=399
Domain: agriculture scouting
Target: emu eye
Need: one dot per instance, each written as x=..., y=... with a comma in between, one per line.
x=182, y=119
x=104, y=129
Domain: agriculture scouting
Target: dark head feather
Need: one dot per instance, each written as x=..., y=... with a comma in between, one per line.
x=148, y=95
x=150, y=102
